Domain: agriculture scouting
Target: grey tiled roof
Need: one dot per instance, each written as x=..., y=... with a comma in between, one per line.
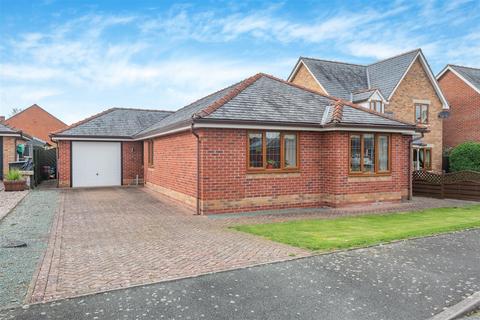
x=6, y=129
x=269, y=100
x=343, y=79
x=386, y=74
x=338, y=78
x=116, y=122
x=470, y=74
x=186, y=112
x=352, y=115
x=361, y=96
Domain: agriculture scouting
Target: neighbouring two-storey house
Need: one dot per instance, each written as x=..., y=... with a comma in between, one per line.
x=461, y=86
x=402, y=87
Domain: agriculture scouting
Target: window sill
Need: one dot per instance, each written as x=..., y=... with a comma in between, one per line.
x=274, y=174
x=367, y=178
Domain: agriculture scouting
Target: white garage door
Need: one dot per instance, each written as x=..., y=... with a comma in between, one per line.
x=96, y=164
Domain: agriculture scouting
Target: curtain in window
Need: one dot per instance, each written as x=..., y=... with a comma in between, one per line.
x=369, y=153
x=383, y=153
x=290, y=141
x=355, y=146
x=428, y=159
x=273, y=149
x=256, y=150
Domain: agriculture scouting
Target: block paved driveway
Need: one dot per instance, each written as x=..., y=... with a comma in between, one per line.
x=117, y=237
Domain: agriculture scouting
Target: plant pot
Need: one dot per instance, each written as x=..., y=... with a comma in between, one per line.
x=17, y=185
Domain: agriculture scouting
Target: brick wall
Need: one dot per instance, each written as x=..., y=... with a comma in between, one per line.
x=417, y=86
x=304, y=78
x=341, y=189
x=36, y=122
x=132, y=162
x=322, y=180
x=9, y=152
x=63, y=163
x=174, y=170
x=463, y=124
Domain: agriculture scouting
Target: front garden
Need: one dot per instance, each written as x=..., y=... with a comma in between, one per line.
x=361, y=231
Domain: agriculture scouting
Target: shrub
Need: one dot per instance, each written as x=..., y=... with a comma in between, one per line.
x=14, y=175
x=465, y=156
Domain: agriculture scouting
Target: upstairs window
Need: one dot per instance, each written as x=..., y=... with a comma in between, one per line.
x=421, y=113
x=370, y=153
x=272, y=151
x=377, y=105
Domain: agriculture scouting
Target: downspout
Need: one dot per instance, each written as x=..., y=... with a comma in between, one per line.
x=192, y=128
x=410, y=178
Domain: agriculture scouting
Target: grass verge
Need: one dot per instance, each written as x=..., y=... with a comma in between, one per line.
x=360, y=231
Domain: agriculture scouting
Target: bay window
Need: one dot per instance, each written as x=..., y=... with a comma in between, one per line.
x=272, y=151
x=369, y=153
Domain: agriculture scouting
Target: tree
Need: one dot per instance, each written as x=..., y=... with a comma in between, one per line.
x=15, y=111
x=465, y=156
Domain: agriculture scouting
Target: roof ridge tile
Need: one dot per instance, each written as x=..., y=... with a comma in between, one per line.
x=395, y=56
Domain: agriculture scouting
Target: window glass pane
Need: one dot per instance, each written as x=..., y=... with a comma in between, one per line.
x=418, y=116
x=383, y=153
x=428, y=158
x=355, y=153
x=290, y=152
x=378, y=106
x=273, y=149
x=369, y=153
x=424, y=113
x=255, y=144
x=415, y=159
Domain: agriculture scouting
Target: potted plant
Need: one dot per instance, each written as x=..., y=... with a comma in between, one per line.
x=271, y=164
x=14, y=181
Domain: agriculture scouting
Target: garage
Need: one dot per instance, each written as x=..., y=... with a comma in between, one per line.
x=96, y=164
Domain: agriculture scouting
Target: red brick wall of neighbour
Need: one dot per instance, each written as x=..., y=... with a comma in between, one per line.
x=463, y=124
x=63, y=163
x=36, y=122
x=9, y=151
x=132, y=162
x=174, y=169
x=323, y=178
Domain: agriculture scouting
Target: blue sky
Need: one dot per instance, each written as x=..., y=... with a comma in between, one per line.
x=77, y=58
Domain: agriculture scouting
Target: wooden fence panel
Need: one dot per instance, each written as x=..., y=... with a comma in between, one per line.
x=463, y=185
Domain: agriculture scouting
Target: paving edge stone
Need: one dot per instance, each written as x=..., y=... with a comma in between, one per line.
x=460, y=309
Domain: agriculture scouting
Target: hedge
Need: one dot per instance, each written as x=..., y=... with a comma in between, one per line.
x=465, y=156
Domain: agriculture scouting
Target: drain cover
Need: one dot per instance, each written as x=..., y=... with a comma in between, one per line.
x=13, y=244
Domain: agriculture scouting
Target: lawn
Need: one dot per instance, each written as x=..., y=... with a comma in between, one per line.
x=360, y=231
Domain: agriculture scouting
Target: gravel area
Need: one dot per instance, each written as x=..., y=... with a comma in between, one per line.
x=408, y=280
x=9, y=200
x=29, y=222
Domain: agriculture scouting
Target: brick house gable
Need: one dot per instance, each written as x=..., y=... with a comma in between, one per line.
x=413, y=83
x=36, y=122
x=417, y=87
x=463, y=124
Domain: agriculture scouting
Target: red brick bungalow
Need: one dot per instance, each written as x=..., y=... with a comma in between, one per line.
x=263, y=143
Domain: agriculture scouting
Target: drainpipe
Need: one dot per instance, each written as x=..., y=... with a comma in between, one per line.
x=410, y=167
x=198, y=167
